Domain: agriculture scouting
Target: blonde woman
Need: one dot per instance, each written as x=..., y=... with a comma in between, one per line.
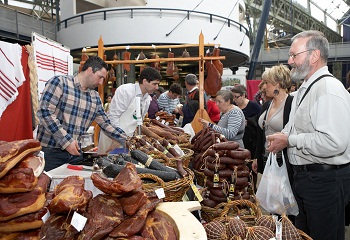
x=274, y=113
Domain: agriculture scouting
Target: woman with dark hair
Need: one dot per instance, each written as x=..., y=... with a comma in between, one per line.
x=251, y=110
x=232, y=120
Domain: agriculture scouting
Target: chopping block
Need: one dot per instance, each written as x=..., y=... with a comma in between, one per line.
x=179, y=214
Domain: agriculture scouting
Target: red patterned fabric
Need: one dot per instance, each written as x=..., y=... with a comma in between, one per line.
x=16, y=121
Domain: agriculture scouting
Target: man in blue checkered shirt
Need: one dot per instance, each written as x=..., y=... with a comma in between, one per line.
x=68, y=106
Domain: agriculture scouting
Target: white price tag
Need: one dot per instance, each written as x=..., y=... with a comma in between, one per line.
x=41, y=154
x=48, y=174
x=163, y=121
x=78, y=221
x=45, y=217
x=160, y=193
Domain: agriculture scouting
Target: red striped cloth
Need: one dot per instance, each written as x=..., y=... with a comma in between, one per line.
x=16, y=121
x=51, y=59
x=11, y=73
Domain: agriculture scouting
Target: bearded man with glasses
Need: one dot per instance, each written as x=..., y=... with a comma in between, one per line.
x=318, y=140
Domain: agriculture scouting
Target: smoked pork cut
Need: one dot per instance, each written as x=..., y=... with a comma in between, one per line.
x=212, y=83
x=13, y=152
x=217, y=63
x=126, y=56
x=133, y=201
x=132, y=225
x=104, y=213
x=170, y=65
x=157, y=227
x=25, y=222
x=126, y=181
x=58, y=227
x=18, y=204
x=23, y=177
x=70, y=195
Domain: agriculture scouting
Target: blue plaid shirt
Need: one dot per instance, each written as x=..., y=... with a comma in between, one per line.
x=66, y=112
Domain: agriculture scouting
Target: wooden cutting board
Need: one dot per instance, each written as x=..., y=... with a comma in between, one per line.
x=201, y=113
x=187, y=225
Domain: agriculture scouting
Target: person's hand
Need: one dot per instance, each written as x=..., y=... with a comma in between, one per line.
x=277, y=142
x=73, y=148
x=204, y=122
x=255, y=166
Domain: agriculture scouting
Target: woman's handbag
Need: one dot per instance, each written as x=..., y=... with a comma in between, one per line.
x=274, y=193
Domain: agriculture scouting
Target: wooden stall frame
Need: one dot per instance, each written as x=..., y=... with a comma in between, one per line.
x=201, y=113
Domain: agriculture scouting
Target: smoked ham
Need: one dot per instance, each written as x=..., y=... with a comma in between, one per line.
x=126, y=181
x=58, y=227
x=212, y=83
x=104, y=213
x=24, y=223
x=13, y=152
x=126, y=56
x=158, y=227
x=134, y=224
x=133, y=201
x=18, y=204
x=217, y=63
x=170, y=65
x=23, y=177
x=70, y=195
x=156, y=65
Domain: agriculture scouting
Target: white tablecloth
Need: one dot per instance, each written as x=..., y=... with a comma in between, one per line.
x=58, y=174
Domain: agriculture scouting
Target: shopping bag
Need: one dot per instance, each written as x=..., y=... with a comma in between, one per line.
x=274, y=193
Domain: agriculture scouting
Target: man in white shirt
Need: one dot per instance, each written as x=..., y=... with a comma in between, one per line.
x=169, y=100
x=318, y=140
x=122, y=111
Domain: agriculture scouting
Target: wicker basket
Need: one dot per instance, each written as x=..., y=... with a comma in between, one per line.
x=174, y=190
x=245, y=209
x=185, y=158
x=209, y=213
x=304, y=235
x=201, y=178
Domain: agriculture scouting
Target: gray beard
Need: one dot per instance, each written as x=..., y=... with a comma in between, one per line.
x=299, y=73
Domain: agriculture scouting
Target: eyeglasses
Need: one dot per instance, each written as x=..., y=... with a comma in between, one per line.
x=294, y=55
x=235, y=97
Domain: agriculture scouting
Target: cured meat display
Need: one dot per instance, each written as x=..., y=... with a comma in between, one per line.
x=70, y=195
x=104, y=213
x=24, y=223
x=158, y=227
x=126, y=181
x=18, y=204
x=214, y=69
x=23, y=177
x=170, y=65
x=126, y=56
x=58, y=227
x=134, y=224
x=12, y=153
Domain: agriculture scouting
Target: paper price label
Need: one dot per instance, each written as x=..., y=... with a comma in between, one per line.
x=45, y=217
x=78, y=221
x=160, y=193
x=196, y=192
